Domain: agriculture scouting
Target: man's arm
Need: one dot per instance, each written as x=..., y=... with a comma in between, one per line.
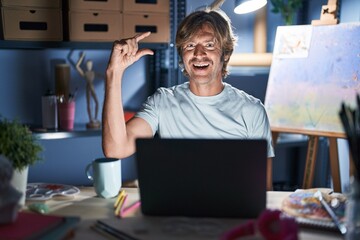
x=118, y=137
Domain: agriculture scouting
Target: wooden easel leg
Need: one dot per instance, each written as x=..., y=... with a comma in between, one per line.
x=351, y=166
x=269, y=169
x=269, y=183
x=310, y=161
x=334, y=163
x=275, y=136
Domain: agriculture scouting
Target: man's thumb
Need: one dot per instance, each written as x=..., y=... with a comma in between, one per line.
x=143, y=52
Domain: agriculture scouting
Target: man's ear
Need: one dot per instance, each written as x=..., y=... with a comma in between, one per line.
x=226, y=58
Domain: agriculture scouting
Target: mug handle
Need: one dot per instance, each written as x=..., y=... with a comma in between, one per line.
x=87, y=172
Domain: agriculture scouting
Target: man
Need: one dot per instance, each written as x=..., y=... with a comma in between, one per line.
x=203, y=107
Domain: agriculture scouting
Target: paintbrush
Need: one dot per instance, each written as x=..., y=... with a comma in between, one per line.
x=351, y=124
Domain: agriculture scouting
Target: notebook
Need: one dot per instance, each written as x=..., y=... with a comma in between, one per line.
x=202, y=177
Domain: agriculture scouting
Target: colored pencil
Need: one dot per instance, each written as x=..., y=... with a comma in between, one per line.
x=120, y=206
x=130, y=208
x=121, y=193
x=113, y=231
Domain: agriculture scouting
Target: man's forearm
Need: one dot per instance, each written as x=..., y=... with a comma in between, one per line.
x=113, y=121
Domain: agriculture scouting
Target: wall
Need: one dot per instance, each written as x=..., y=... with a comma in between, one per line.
x=25, y=75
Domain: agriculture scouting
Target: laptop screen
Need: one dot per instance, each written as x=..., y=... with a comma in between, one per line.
x=202, y=177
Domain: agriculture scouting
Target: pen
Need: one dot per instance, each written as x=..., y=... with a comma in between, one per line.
x=340, y=226
x=120, y=205
x=130, y=208
x=102, y=232
x=113, y=231
x=121, y=193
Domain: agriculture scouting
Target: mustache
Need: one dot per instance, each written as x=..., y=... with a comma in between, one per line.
x=197, y=60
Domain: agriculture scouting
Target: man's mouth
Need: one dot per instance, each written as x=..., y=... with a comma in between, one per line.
x=201, y=65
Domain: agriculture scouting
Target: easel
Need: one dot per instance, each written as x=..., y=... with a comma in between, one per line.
x=328, y=15
x=313, y=140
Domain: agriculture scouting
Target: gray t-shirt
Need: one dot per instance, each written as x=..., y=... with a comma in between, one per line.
x=176, y=112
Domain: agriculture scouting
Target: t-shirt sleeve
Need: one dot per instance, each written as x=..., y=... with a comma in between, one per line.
x=149, y=112
x=261, y=128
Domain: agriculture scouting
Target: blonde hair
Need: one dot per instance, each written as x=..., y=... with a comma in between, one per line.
x=221, y=25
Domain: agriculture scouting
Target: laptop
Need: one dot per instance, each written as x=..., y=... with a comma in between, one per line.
x=202, y=177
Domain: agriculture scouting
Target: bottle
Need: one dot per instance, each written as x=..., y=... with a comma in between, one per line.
x=49, y=111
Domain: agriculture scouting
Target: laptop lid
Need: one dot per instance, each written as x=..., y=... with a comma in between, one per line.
x=202, y=177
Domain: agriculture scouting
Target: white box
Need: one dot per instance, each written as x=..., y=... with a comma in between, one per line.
x=32, y=3
x=158, y=24
x=107, y=5
x=95, y=26
x=32, y=24
x=160, y=6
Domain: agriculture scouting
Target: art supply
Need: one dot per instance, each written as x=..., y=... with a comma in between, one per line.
x=39, y=208
x=130, y=208
x=49, y=111
x=46, y=191
x=105, y=173
x=340, y=226
x=121, y=194
x=350, y=118
x=120, y=205
x=105, y=228
x=72, y=96
x=66, y=111
x=62, y=80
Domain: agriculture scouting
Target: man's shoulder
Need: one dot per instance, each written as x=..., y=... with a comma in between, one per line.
x=241, y=95
x=173, y=89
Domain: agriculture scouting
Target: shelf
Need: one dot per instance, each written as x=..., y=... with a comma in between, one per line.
x=13, y=44
x=80, y=130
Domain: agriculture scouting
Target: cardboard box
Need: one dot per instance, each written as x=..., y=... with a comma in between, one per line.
x=95, y=26
x=108, y=5
x=158, y=24
x=32, y=3
x=32, y=24
x=160, y=6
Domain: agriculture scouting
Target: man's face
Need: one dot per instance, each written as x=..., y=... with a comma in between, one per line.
x=202, y=57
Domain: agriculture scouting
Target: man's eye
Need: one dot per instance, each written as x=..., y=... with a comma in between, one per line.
x=210, y=45
x=189, y=46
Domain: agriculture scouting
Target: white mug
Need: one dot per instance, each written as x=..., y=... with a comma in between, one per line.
x=106, y=176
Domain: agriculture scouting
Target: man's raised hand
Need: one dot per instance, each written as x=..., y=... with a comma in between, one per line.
x=126, y=51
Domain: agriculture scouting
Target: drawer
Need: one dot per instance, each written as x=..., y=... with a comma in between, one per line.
x=158, y=24
x=95, y=25
x=32, y=24
x=32, y=3
x=160, y=6
x=104, y=5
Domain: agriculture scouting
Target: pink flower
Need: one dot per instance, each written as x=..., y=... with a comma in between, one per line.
x=273, y=226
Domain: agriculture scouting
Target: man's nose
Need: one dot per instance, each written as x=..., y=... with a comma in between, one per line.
x=199, y=50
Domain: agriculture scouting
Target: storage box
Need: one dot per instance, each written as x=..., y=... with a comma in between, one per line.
x=32, y=3
x=32, y=24
x=158, y=24
x=104, y=5
x=95, y=26
x=146, y=6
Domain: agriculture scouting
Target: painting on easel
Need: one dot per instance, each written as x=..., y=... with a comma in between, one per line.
x=314, y=69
